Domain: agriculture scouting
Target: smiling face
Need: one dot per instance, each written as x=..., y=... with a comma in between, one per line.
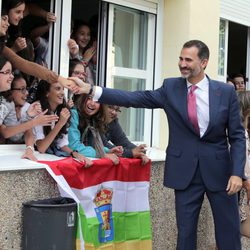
x=19, y=92
x=191, y=66
x=111, y=112
x=6, y=77
x=82, y=36
x=79, y=72
x=90, y=107
x=55, y=95
x=4, y=25
x=16, y=14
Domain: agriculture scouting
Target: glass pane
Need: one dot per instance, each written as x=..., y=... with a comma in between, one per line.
x=221, y=63
x=130, y=38
x=131, y=119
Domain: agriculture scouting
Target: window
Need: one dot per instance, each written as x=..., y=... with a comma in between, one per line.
x=222, y=43
x=126, y=51
x=130, y=60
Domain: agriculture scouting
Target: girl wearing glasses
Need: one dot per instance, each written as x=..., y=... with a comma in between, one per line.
x=19, y=112
x=76, y=69
x=8, y=110
x=115, y=135
x=54, y=139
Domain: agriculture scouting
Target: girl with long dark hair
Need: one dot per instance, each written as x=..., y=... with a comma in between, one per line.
x=86, y=126
x=54, y=139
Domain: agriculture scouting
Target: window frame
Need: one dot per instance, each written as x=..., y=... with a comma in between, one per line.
x=223, y=77
x=61, y=54
x=147, y=74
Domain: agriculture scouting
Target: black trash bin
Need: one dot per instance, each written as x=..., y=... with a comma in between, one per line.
x=49, y=224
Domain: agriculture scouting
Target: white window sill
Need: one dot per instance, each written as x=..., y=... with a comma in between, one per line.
x=10, y=158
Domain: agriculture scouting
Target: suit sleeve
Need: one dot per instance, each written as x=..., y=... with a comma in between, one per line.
x=75, y=137
x=150, y=99
x=236, y=137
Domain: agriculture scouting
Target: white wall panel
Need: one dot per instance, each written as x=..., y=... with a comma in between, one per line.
x=237, y=11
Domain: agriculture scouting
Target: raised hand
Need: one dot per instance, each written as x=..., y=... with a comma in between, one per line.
x=64, y=116
x=34, y=109
x=45, y=120
x=19, y=44
x=70, y=103
x=73, y=48
x=89, y=53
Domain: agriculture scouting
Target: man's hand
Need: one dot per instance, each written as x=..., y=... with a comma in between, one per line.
x=80, y=87
x=234, y=185
x=66, y=83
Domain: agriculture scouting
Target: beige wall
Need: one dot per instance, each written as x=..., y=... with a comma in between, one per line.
x=186, y=20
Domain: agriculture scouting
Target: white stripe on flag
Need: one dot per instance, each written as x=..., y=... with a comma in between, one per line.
x=127, y=196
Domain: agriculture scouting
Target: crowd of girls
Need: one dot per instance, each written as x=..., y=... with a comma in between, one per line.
x=80, y=128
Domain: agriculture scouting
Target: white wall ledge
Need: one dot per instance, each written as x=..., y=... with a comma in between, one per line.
x=10, y=158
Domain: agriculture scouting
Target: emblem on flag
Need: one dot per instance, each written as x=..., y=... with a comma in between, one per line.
x=103, y=211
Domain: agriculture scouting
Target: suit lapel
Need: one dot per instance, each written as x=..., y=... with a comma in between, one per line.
x=181, y=101
x=214, y=103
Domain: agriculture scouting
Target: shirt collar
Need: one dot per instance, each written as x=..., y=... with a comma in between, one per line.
x=203, y=84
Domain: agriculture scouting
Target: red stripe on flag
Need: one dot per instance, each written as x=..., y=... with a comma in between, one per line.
x=128, y=170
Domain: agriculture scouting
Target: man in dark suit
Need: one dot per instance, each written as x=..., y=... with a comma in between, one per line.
x=206, y=150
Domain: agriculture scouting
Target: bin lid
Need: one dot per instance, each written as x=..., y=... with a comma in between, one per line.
x=52, y=202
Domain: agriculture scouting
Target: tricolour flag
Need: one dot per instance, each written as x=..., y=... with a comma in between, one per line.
x=113, y=203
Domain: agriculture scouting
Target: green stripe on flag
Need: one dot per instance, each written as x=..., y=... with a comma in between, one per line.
x=128, y=226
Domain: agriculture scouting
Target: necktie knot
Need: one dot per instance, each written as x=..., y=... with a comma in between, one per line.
x=193, y=88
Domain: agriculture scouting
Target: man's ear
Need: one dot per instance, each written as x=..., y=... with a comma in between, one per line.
x=204, y=63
